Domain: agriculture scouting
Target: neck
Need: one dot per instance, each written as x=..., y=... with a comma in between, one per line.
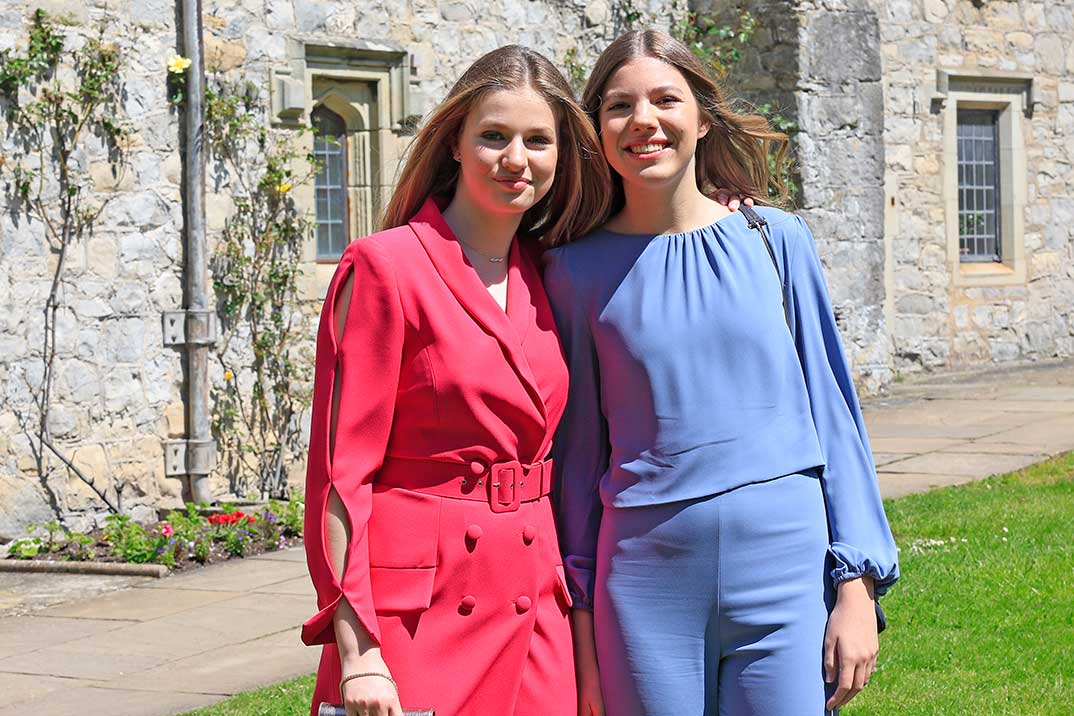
x=485, y=232
x=667, y=209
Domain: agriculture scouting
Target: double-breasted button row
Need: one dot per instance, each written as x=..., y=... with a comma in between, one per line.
x=469, y=603
x=475, y=532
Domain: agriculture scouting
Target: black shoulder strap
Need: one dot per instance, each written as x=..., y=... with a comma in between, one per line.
x=757, y=223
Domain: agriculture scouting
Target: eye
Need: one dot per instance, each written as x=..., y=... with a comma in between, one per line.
x=614, y=106
x=668, y=99
x=541, y=139
x=492, y=136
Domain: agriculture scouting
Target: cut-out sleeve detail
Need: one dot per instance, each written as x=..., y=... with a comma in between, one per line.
x=580, y=449
x=367, y=358
x=860, y=539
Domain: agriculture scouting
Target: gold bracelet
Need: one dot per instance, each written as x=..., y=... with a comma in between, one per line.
x=348, y=677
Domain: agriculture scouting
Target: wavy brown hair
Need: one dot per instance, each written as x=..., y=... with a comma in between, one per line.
x=579, y=197
x=734, y=153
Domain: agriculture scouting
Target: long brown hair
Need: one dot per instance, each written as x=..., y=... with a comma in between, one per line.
x=734, y=153
x=579, y=197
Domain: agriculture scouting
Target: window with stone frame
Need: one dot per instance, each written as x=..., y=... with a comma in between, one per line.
x=985, y=179
x=330, y=184
x=355, y=94
x=978, y=185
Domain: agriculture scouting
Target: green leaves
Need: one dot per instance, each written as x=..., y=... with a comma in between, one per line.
x=255, y=271
x=718, y=46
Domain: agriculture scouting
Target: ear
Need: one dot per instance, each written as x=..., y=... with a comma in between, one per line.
x=455, y=152
x=703, y=129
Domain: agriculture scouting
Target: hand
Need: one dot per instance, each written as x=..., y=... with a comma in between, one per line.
x=590, y=699
x=731, y=201
x=370, y=695
x=850, y=642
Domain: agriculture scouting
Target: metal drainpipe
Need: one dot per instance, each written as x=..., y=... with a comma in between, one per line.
x=194, y=328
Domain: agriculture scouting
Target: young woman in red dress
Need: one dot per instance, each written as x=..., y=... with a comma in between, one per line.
x=439, y=383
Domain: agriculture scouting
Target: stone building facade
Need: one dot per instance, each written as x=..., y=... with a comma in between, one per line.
x=879, y=90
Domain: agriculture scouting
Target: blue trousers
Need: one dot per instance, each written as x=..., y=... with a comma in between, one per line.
x=715, y=606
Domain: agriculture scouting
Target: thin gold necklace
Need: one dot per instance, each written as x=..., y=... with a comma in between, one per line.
x=491, y=259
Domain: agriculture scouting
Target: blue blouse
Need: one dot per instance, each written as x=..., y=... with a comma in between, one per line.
x=686, y=382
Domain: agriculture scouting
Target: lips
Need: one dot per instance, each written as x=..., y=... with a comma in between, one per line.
x=647, y=148
x=516, y=184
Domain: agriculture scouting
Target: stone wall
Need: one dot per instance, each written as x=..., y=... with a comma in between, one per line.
x=118, y=391
x=819, y=65
x=934, y=323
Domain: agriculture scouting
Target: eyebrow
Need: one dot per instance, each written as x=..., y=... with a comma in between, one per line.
x=497, y=124
x=656, y=90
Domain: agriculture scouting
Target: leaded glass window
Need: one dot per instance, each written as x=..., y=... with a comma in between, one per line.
x=330, y=185
x=978, y=185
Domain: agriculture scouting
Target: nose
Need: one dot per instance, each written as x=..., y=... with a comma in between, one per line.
x=643, y=117
x=514, y=155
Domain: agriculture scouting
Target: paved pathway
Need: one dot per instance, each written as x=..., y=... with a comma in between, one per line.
x=163, y=646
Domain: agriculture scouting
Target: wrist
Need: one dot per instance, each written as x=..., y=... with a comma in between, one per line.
x=856, y=589
x=361, y=660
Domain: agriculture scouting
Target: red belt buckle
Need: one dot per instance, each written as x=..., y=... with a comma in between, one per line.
x=503, y=489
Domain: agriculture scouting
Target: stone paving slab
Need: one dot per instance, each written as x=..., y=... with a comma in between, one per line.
x=24, y=592
x=961, y=463
x=93, y=700
x=139, y=604
x=228, y=673
x=22, y=687
x=899, y=484
x=224, y=577
x=24, y=634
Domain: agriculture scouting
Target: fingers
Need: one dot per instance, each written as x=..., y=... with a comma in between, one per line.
x=748, y=201
x=829, y=660
x=854, y=674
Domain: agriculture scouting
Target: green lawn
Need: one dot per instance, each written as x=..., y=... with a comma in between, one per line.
x=982, y=622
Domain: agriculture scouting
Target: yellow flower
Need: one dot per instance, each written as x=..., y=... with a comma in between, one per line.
x=178, y=64
x=284, y=188
x=228, y=375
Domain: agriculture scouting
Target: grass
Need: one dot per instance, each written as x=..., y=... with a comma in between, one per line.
x=982, y=622
x=290, y=698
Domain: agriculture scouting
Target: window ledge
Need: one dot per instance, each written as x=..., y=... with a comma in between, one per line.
x=987, y=274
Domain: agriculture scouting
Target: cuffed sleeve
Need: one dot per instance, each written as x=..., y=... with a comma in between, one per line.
x=861, y=541
x=580, y=448
x=367, y=359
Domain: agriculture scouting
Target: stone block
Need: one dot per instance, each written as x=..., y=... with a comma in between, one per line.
x=456, y=12
x=1049, y=51
x=63, y=422
x=101, y=256
x=21, y=502
x=597, y=13
x=841, y=47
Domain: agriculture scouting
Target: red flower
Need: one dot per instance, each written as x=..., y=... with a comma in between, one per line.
x=167, y=530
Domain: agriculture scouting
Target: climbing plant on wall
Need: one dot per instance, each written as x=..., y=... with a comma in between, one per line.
x=59, y=105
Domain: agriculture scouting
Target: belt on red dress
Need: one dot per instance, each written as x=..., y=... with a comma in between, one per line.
x=504, y=485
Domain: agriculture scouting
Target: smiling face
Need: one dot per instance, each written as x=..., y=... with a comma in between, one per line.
x=507, y=151
x=650, y=123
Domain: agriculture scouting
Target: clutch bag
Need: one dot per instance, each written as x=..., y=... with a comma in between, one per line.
x=327, y=709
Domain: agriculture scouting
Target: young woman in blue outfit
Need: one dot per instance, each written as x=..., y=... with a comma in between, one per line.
x=719, y=513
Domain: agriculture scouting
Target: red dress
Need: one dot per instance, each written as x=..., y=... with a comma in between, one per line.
x=447, y=410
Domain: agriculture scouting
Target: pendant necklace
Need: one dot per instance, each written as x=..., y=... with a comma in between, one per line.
x=490, y=259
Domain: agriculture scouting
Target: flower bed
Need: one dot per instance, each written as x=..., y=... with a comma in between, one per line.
x=183, y=539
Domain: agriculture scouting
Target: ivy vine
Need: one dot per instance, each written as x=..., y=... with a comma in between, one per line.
x=50, y=120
